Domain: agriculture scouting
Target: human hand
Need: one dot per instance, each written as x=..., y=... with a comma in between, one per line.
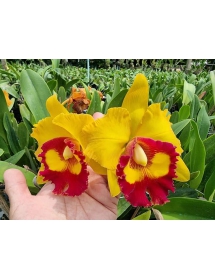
x=95, y=203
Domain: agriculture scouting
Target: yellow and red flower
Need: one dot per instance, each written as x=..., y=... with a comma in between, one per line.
x=60, y=149
x=78, y=99
x=138, y=147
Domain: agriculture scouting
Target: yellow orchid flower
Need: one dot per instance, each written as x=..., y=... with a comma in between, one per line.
x=138, y=147
x=60, y=149
x=6, y=95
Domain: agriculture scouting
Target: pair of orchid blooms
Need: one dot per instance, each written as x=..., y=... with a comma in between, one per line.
x=133, y=145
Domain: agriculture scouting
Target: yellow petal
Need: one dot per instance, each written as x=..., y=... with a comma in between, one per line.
x=136, y=100
x=156, y=125
x=107, y=137
x=96, y=167
x=113, y=183
x=54, y=106
x=159, y=166
x=74, y=123
x=6, y=95
x=55, y=161
x=45, y=130
x=182, y=171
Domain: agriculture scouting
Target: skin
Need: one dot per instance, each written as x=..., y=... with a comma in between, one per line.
x=95, y=203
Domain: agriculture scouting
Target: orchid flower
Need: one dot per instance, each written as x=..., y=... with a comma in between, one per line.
x=138, y=147
x=60, y=149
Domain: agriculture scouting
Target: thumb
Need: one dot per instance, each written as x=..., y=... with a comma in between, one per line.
x=15, y=186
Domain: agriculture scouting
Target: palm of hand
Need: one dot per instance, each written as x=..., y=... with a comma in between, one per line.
x=95, y=203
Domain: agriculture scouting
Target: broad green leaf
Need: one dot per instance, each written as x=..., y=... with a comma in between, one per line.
x=210, y=187
x=95, y=104
x=185, y=137
x=61, y=94
x=174, y=117
x=15, y=158
x=12, y=137
x=10, y=90
x=184, y=192
x=25, y=113
x=177, y=127
x=145, y=216
x=194, y=107
x=203, y=123
x=181, y=208
x=116, y=87
x=71, y=83
x=1, y=152
x=123, y=206
x=35, y=92
x=188, y=92
x=55, y=63
x=118, y=99
x=212, y=76
x=184, y=112
x=52, y=84
x=4, y=146
x=209, y=144
x=23, y=135
x=106, y=104
x=207, y=173
x=29, y=176
x=197, y=159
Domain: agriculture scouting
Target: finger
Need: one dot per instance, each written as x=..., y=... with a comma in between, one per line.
x=15, y=185
x=97, y=115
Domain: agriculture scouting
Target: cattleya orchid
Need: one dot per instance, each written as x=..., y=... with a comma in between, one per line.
x=78, y=99
x=60, y=149
x=138, y=147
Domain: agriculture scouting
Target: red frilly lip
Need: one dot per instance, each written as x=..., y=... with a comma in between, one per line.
x=66, y=182
x=148, y=191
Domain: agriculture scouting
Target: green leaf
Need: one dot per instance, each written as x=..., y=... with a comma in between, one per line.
x=194, y=107
x=106, y=104
x=209, y=144
x=197, y=159
x=29, y=176
x=23, y=135
x=207, y=173
x=184, y=192
x=203, y=123
x=61, y=94
x=145, y=216
x=181, y=208
x=4, y=146
x=177, y=127
x=10, y=90
x=12, y=137
x=174, y=117
x=55, y=63
x=212, y=77
x=71, y=83
x=95, y=104
x=52, y=84
x=35, y=92
x=1, y=152
x=123, y=206
x=15, y=158
x=210, y=187
x=118, y=99
x=184, y=112
x=116, y=87
x=188, y=93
